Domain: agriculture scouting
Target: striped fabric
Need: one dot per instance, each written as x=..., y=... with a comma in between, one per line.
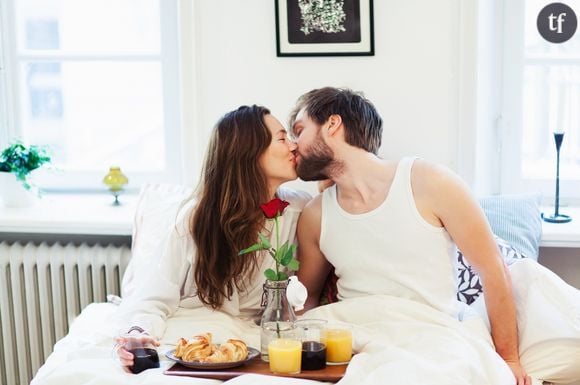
x=516, y=218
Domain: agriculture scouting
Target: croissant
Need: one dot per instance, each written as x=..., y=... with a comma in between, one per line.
x=196, y=352
x=231, y=351
x=181, y=344
x=200, y=348
x=204, y=338
x=241, y=349
x=196, y=348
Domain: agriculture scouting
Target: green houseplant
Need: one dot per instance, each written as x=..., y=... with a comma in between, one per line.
x=21, y=160
x=17, y=161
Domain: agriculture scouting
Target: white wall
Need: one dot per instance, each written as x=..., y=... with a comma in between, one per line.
x=412, y=79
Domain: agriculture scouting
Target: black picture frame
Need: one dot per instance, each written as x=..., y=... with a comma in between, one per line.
x=300, y=31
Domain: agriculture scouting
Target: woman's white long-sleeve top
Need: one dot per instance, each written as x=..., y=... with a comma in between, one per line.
x=158, y=295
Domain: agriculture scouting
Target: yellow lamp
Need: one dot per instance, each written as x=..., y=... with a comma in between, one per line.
x=115, y=180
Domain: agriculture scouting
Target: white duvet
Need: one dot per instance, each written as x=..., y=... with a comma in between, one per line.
x=398, y=341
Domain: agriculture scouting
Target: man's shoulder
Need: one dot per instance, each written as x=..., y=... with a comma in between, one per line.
x=313, y=209
x=433, y=183
x=310, y=219
x=430, y=172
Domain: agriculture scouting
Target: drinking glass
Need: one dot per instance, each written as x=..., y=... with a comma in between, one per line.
x=309, y=331
x=285, y=356
x=338, y=341
x=140, y=344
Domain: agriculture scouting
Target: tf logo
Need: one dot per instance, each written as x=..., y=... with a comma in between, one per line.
x=557, y=23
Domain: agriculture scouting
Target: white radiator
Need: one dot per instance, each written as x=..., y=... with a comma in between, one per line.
x=42, y=289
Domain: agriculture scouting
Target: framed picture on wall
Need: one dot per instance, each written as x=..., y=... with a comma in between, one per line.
x=324, y=28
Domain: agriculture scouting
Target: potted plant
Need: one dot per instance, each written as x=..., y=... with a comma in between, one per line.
x=17, y=161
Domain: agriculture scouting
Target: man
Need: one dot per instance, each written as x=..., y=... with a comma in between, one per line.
x=388, y=227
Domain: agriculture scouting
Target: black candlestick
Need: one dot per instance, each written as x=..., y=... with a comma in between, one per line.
x=557, y=217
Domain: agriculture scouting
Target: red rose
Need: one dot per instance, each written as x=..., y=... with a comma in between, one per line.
x=275, y=207
x=282, y=254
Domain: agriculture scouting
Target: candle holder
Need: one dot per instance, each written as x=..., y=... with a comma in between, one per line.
x=557, y=217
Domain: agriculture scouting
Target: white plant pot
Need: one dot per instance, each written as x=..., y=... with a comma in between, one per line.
x=13, y=194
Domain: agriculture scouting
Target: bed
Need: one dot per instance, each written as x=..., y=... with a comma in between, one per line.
x=397, y=341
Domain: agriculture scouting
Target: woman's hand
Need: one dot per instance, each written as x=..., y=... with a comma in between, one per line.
x=127, y=342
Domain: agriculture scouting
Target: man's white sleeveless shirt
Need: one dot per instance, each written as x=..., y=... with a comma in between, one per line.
x=391, y=249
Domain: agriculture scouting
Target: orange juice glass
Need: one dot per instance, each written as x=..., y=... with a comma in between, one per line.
x=285, y=356
x=338, y=341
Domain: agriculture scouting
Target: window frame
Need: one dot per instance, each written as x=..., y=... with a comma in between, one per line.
x=79, y=181
x=510, y=127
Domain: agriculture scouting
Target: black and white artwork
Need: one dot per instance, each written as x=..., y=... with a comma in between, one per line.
x=324, y=27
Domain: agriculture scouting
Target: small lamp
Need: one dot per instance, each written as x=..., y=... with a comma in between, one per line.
x=557, y=217
x=115, y=180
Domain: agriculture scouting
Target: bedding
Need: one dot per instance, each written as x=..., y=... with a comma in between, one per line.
x=398, y=341
x=441, y=349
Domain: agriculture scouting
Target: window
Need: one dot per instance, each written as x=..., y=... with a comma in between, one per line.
x=541, y=94
x=97, y=82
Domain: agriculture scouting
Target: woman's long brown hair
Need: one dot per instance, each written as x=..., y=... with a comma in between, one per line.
x=227, y=217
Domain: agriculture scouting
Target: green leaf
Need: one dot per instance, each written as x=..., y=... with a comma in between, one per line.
x=271, y=275
x=294, y=265
x=281, y=252
x=282, y=276
x=257, y=246
x=288, y=256
x=264, y=241
x=286, y=259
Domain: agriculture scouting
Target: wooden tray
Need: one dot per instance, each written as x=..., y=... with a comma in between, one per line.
x=329, y=374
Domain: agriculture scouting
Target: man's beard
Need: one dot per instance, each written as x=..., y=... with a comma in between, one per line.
x=318, y=164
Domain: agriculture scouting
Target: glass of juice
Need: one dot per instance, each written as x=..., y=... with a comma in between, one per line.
x=309, y=331
x=140, y=344
x=338, y=341
x=285, y=356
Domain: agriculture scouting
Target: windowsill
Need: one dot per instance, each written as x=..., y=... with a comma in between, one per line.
x=71, y=214
x=94, y=214
x=561, y=234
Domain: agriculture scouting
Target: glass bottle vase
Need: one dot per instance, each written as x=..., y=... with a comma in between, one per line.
x=278, y=317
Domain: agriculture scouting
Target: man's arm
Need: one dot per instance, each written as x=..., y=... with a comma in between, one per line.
x=445, y=196
x=314, y=267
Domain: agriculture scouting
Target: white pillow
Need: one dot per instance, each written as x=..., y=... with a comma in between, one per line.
x=155, y=216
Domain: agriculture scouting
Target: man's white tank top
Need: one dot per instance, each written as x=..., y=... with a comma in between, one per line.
x=391, y=249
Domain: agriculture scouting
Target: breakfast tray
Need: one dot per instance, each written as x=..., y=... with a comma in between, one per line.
x=257, y=366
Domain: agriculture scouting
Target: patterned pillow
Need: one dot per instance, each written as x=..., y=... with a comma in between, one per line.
x=469, y=284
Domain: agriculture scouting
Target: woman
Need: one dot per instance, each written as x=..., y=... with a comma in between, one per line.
x=249, y=157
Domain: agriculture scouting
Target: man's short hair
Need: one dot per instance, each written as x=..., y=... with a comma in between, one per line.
x=363, y=124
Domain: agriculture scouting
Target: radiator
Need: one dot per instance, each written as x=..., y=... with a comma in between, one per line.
x=42, y=289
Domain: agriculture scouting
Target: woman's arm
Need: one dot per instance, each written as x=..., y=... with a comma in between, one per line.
x=158, y=293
